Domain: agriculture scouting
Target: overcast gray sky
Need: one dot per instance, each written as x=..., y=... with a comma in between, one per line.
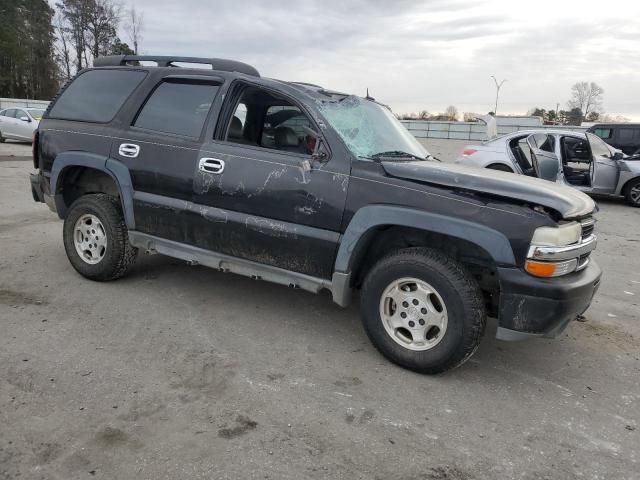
x=416, y=55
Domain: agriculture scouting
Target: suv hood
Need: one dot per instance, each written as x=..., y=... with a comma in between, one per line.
x=567, y=201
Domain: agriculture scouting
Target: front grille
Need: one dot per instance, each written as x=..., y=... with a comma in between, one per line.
x=588, y=226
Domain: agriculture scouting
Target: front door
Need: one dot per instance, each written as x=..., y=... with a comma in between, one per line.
x=604, y=168
x=274, y=194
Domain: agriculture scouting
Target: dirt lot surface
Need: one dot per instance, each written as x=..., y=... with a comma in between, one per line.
x=180, y=372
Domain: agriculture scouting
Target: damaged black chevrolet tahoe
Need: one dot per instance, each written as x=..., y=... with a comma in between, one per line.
x=292, y=183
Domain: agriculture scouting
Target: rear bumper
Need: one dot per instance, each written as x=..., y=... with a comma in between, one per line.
x=540, y=307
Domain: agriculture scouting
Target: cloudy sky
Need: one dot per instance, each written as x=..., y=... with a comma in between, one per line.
x=416, y=55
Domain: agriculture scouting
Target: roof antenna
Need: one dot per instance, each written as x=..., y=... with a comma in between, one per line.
x=369, y=97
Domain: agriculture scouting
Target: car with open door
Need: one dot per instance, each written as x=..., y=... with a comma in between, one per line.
x=580, y=160
x=19, y=123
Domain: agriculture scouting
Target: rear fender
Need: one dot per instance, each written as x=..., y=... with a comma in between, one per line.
x=115, y=169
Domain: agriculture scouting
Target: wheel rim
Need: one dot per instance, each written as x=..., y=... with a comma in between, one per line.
x=635, y=194
x=90, y=239
x=413, y=314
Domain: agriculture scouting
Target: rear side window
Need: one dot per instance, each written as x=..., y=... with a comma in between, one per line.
x=96, y=95
x=603, y=132
x=177, y=108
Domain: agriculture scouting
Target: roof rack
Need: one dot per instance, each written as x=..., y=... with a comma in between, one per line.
x=169, y=61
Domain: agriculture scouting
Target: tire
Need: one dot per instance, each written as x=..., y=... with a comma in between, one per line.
x=102, y=215
x=500, y=167
x=2, y=139
x=632, y=192
x=456, y=290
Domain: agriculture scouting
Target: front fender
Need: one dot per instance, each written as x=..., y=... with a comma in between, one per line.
x=364, y=222
x=115, y=169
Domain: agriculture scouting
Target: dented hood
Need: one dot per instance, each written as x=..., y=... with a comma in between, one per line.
x=567, y=201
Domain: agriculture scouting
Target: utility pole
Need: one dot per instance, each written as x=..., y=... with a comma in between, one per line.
x=498, y=86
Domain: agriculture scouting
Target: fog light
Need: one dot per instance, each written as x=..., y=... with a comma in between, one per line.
x=550, y=269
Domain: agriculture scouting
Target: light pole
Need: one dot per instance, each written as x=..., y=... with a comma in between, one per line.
x=498, y=86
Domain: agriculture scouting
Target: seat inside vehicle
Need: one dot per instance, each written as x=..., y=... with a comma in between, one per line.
x=265, y=120
x=576, y=161
x=522, y=154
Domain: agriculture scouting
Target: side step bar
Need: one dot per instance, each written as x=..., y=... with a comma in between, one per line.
x=338, y=286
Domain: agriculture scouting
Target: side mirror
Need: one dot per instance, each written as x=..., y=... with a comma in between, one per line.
x=617, y=156
x=25, y=119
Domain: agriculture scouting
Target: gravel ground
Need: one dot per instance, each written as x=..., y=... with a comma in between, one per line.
x=185, y=372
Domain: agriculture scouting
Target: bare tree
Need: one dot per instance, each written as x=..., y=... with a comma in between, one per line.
x=134, y=26
x=103, y=17
x=587, y=96
x=62, y=45
x=424, y=115
x=452, y=113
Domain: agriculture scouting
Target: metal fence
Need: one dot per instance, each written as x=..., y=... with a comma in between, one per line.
x=469, y=130
x=20, y=102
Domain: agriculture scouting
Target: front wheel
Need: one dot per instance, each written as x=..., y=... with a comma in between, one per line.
x=96, y=238
x=632, y=193
x=422, y=310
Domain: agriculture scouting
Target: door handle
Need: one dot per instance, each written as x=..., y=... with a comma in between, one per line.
x=129, y=150
x=211, y=165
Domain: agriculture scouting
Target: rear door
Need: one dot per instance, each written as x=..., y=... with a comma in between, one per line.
x=160, y=146
x=543, y=157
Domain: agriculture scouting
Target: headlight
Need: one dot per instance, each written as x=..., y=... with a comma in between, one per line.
x=561, y=236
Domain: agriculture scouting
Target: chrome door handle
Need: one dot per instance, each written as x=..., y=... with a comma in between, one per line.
x=129, y=150
x=211, y=165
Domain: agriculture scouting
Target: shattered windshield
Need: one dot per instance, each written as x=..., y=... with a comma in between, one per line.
x=370, y=130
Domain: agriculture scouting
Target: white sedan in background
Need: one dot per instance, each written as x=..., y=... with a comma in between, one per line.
x=19, y=123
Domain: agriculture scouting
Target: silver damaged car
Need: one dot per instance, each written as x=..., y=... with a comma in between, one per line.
x=580, y=160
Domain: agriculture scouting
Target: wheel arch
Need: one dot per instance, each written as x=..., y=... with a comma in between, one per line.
x=81, y=163
x=375, y=224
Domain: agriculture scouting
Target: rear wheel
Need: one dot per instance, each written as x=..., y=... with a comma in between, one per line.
x=96, y=239
x=2, y=139
x=500, y=167
x=632, y=192
x=422, y=310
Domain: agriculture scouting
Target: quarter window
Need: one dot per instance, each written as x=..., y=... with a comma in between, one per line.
x=96, y=95
x=177, y=108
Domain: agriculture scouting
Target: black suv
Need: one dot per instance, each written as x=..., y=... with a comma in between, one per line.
x=295, y=184
x=623, y=136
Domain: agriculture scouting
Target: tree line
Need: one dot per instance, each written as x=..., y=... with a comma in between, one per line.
x=42, y=47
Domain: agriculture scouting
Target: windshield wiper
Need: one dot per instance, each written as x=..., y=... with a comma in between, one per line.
x=396, y=154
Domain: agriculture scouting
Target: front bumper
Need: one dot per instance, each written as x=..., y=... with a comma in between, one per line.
x=543, y=307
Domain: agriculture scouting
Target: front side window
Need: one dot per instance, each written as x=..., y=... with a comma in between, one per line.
x=177, y=108
x=265, y=119
x=36, y=113
x=627, y=134
x=369, y=129
x=96, y=95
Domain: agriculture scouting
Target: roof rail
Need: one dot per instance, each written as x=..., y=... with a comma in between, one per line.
x=168, y=61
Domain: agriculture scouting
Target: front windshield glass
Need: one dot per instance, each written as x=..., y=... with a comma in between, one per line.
x=370, y=130
x=35, y=113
